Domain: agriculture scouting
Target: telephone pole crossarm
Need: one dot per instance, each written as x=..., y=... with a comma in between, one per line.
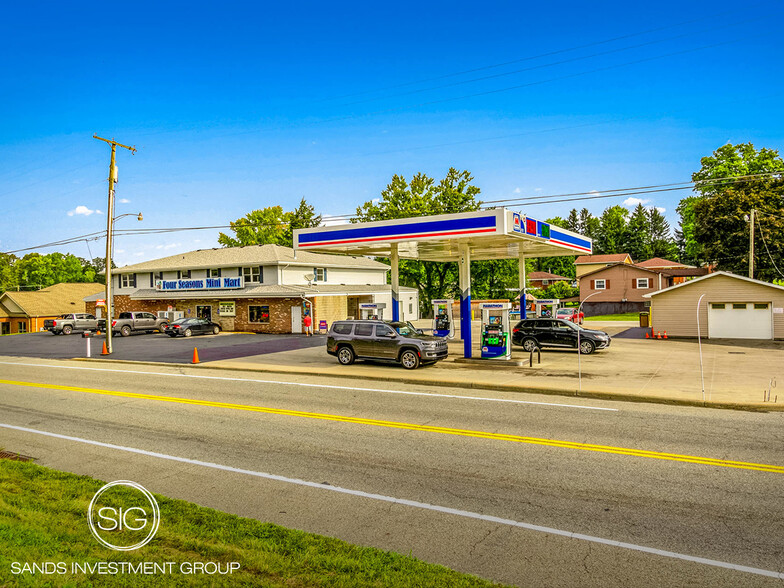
x=113, y=142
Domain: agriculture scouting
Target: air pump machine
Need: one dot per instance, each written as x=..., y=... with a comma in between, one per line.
x=496, y=331
x=371, y=310
x=443, y=321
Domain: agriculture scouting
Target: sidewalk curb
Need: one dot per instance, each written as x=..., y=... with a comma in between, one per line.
x=521, y=388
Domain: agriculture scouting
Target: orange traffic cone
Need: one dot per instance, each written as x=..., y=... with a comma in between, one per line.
x=104, y=351
x=665, y=334
x=195, y=356
x=659, y=335
x=646, y=335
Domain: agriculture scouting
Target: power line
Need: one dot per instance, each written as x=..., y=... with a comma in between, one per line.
x=768, y=250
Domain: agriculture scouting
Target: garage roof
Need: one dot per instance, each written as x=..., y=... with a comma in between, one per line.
x=708, y=277
x=490, y=234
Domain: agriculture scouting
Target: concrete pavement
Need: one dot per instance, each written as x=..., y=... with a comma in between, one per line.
x=736, y=373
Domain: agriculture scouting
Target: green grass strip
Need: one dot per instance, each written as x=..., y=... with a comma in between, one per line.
x=43, y=518
x=625, y=316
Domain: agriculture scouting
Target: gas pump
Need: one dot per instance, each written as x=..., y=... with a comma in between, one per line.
x=496, y=331
x=443, y=322
x=539, y=306
x=371, y=310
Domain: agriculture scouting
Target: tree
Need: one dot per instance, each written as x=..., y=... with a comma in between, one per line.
x=637, y=241
x=302, y=217
x=662, y=244
x=722, y=231
x=258, y=227
x=728, y=161
x=611, y=236
x=422, y=197
x=39, y=271
x=562, y=265
x=8, y=279
x=270, y=225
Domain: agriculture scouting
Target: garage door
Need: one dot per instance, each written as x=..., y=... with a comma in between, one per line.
x=740, y=320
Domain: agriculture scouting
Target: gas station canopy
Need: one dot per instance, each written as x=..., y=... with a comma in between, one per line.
x=486, y=234
x=489, y=234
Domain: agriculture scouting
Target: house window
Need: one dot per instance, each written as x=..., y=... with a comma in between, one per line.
x=258, y=314
x=21, y=327
x=320, y=274
x=759, y=306
x=600, y=285
x=643, y=283
x=717, y=306
x=214, y=273
x=738, y=306
x=253, y=275
x=545, y=282
x=158, y=275
x=127, y=280
x=184, y=274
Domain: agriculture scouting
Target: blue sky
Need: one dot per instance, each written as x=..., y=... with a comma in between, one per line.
x=241, y=105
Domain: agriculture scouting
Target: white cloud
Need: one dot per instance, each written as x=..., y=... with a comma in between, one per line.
x=661, y=209
x=118, y=251
x=376, y=200
x=537, y=189
x=516, y=191
x=83, y=210
x=631, y=201
x=124, y=201
x=139, y=253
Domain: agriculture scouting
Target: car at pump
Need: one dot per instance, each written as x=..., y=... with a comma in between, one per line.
x=191, y=326
x=394, y=341
x=570, y=314
x=543, y=332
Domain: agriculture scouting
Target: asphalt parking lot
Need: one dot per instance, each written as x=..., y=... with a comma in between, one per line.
x=156, y=346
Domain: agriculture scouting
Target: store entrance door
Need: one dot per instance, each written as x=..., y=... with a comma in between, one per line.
x=296, y=319
x=204, y=312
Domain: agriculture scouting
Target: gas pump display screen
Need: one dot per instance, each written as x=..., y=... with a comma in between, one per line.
x=495, y=320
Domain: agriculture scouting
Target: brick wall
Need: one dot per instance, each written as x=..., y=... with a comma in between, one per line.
x=330, y=309
x=280, y=314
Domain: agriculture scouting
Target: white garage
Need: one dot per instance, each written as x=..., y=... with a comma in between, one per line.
x=730, y=307
x=740, y=320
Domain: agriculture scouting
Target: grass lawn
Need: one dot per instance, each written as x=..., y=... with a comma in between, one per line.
x=43, y=518
x=624, y=316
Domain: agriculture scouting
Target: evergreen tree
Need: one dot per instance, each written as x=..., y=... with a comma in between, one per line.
x=638, y=235
x=611, y=232
x=662, y=244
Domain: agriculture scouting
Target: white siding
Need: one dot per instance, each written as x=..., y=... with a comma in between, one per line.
x=676, y=311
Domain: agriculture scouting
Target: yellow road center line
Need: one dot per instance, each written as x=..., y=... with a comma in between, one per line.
x=424, y=428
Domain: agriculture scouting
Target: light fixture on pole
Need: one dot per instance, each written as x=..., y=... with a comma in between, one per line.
x=580, y=351
x=109, y=226
x=699, y=342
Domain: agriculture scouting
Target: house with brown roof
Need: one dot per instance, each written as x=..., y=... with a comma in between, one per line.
x=586, y=264
x=662, y=264
x=545, y=279
x=619, y=288
x=25, y=312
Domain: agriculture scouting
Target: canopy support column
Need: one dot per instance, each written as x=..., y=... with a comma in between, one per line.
x=521, y=272
x=464, y=281
x=394, y=260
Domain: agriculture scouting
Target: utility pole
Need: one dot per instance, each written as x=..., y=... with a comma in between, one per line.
x=751, y=246
x=109, y=222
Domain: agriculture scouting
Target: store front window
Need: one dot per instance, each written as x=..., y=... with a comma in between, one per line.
x=204, y=312
x=258, y=314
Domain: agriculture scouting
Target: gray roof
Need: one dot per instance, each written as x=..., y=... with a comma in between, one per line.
x=251, y=255
x=272, y=291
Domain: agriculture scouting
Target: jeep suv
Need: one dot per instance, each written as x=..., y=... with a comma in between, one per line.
x=388, y=341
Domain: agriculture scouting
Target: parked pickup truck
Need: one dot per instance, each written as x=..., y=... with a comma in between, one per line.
x=65, y=324
x=146, y=322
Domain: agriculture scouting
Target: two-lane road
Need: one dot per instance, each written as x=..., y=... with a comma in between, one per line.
x=524, y=489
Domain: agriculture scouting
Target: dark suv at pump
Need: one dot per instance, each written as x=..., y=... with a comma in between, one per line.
x=388, y=341
x=545, y=332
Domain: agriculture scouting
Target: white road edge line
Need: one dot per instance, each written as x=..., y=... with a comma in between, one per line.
x=73, y=367
x=416, y=504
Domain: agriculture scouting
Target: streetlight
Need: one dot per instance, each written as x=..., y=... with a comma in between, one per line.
x=580, y=351
x=699, y=342
x=108, y=273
